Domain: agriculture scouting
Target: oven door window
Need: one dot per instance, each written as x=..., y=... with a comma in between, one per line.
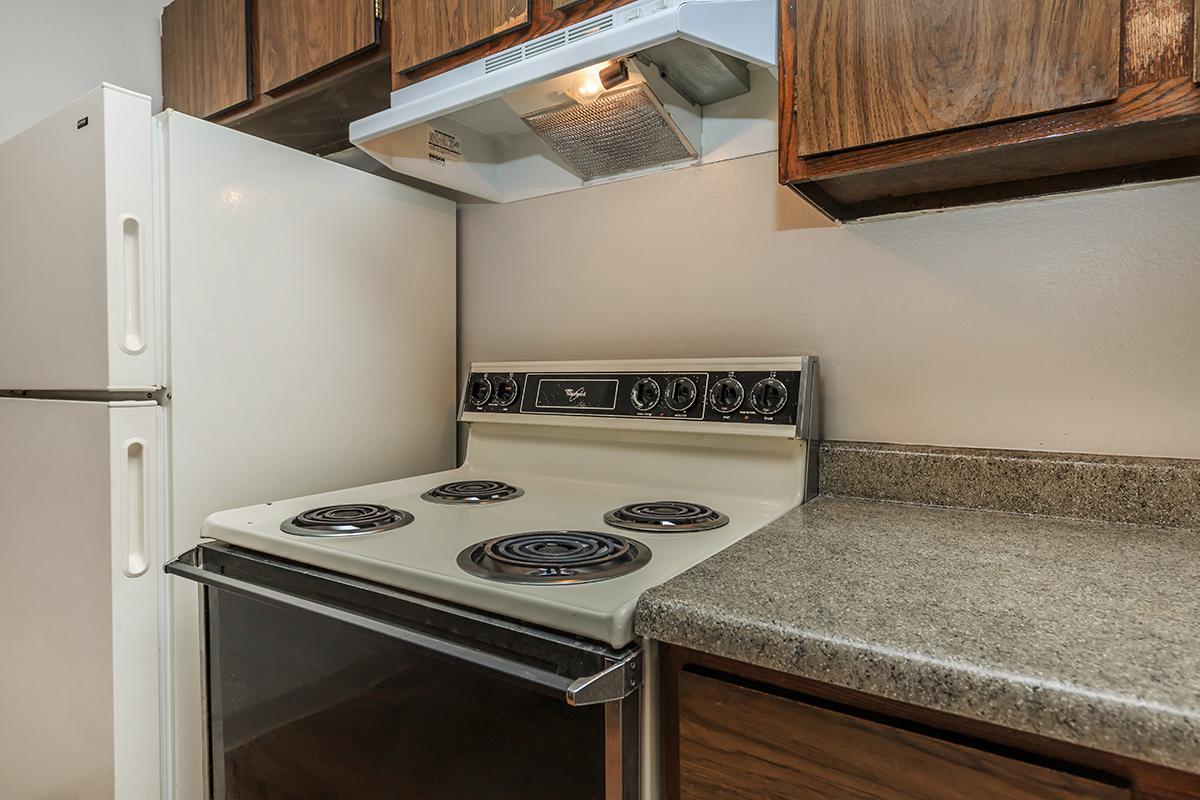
x=303, y=707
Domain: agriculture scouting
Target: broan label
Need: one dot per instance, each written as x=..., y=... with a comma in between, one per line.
x=444, y=147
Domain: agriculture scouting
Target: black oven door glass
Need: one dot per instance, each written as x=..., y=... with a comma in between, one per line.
x=303, y=707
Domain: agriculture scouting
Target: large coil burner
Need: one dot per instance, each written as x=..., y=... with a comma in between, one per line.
x=554, y=557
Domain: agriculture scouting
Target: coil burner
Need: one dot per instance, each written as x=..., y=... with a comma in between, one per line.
x=348, y=520
x=666, y=516
x=554, y=557
x=472, y=493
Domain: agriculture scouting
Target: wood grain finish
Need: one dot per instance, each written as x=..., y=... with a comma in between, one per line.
x=205, y=56
x=742, y=744
x=298, y=37
x=424, y=30
x=557, y=4
x=316, y=116
x=1151, y=131
x=1155, y=40
x=1147, y=781
x=544, y=19
x=881, y=70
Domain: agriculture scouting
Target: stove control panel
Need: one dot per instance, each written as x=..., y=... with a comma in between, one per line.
x=757, y=397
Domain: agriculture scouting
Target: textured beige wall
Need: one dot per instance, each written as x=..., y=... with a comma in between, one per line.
x=54, y=52
x=1064, y=324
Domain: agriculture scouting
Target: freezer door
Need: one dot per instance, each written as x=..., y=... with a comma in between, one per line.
x=312, y=344
x=77, y=311
x=79, y=599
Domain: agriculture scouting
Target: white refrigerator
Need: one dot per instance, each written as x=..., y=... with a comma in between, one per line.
x=191, y=319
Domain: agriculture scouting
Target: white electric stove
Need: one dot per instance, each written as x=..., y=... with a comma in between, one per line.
x=468, y=623
x=684, y=457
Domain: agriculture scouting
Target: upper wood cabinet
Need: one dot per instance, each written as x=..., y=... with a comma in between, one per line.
x=432, y=36
x=298, y=37
x=424, y=30
x=904, y=105
x=206, y=56
x=314, y=66
x=879, y=70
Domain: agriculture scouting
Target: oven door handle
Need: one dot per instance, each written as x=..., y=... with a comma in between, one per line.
x=615, y=682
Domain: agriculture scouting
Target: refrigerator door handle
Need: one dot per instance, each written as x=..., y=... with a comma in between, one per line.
x=133, y=278
x=135, y=514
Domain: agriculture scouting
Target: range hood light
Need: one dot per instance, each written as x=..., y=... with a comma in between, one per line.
x=595, y=80
x=588, y=87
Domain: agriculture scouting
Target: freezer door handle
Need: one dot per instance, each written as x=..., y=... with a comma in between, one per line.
x=135, y=508
x=133, y=290
x=616, y=682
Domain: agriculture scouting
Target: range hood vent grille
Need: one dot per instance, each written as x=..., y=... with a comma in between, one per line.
x=548, y=43
x=582, y=30
x=505, y=59
x=624, y=131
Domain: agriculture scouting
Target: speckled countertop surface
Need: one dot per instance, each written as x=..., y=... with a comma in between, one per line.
x=1082, y=631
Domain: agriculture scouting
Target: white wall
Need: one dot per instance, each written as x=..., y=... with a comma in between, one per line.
x=54, y=51
x=1062, y=324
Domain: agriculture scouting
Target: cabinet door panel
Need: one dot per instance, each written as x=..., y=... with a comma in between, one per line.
x=423, y=30
x=205, y=56
x=871, y=71
x=741, y=744
x=298, y=37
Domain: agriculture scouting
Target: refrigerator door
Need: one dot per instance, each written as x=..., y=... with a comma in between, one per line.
x=79, y=599
x=77, y=311
x=312, y=345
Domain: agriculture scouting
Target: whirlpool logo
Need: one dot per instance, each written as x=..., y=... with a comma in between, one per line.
x=575, y=395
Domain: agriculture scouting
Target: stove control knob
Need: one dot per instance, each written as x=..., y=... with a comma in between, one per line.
x=726, y=395
x=506, y=392
x=681, y=394
x=480, y=391
x=768, y=396
x=645, y=394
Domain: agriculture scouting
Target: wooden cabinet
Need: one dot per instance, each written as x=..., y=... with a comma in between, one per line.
x=206, y=56
x=432, y=36
x=743, y=744
x=740, y=732
x=299, y=37
x=880, y=70
x=296, y=72
x=902, y=105
x=424, y=30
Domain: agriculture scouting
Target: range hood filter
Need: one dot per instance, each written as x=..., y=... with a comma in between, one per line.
x=624, y=131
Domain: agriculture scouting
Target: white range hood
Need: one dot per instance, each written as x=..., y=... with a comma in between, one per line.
x=653, y=85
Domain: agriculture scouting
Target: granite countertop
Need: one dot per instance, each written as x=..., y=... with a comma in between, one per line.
x=1087, y=632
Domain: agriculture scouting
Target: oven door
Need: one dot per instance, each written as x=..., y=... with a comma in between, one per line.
x=324, y=686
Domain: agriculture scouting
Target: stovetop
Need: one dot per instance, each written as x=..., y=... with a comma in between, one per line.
x=562, y=451
x=422, y=556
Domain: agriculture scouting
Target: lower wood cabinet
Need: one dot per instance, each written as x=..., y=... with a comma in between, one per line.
x=733, y=731
x=743, y=744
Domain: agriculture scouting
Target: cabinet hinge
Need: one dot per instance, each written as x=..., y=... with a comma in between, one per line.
x=379, y=10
